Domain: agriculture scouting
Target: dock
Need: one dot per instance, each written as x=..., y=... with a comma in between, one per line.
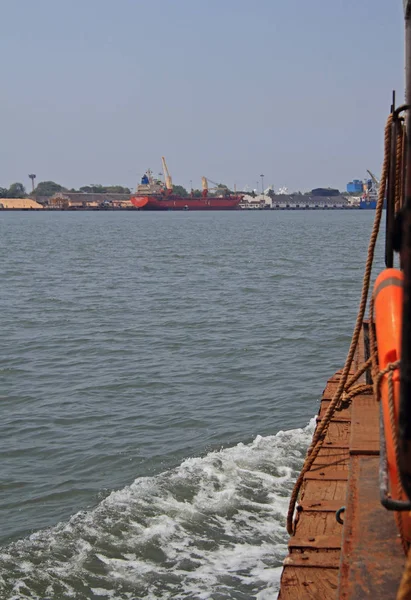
x=363, y=557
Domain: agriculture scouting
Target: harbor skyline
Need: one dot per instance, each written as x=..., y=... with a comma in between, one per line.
x=282, y=92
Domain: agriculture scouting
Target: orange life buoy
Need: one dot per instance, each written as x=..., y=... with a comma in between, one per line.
x=388, y=298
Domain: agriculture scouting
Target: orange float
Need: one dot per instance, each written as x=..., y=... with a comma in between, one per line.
x=388, y=300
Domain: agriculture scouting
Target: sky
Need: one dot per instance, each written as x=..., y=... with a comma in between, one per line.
x=96, y=91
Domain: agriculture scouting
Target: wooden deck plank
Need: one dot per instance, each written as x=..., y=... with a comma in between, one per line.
x=321, y=505
x=298, y=583
x=365, y=426
x=332, y=456
x=338, y=434
x=330, y=389
x=323, y=490
x=342, y=412
x=309, y=558
x=327, y=473
x=316, y=528
x=311, y=524
x=372, y=558
x=316, y=541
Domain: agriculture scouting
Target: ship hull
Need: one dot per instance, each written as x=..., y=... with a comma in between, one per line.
x=370, y=204
x=188, y=203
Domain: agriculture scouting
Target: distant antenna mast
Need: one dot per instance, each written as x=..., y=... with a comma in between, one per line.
x=32, y=176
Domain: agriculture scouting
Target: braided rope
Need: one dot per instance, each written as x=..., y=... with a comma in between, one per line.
x=404, y=592
x=399, y=166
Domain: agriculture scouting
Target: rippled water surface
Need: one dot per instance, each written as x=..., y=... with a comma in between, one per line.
x=158, y=375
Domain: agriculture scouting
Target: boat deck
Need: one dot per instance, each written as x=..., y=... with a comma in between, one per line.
x=362, y=558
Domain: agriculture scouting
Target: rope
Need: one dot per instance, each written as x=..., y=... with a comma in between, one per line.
x=389, y=369
x=403, y=166
x=358, y=374
x=373, y=343
x=399, y=166
x=322, y=427
x=404, y=592
x=362, y=388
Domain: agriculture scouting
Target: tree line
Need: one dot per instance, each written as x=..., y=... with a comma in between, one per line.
x=49, y=188
x=16, y=190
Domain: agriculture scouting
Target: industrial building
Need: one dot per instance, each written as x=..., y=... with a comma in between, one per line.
x=355, y=186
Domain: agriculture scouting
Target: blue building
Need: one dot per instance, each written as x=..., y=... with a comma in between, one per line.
x=354, y=187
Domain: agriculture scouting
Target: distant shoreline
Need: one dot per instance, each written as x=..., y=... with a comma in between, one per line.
x=132, y=209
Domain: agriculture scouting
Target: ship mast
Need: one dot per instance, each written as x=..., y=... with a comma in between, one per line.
x=405, y=386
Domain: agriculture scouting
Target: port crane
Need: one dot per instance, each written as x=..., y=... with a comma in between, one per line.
x=204, y=181
x=167, y=176
x=374, y=179
x=206, y=189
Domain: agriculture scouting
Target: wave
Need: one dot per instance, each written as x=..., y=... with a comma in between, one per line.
x=213, y=527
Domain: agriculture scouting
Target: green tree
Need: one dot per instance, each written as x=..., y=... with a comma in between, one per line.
x=3, y=192
x=118, y=189
x=96, y=188
x=197, y=193
x=16, y=190
x=179, y=190
x=48, y=188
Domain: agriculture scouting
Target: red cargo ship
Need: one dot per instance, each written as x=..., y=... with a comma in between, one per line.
x=154, y=195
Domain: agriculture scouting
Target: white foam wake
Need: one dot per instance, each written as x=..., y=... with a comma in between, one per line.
x=214, y=527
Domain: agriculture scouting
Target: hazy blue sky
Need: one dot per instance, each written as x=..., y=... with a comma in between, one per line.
x=96, y=91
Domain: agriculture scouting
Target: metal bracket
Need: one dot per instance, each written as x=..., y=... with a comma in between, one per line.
x=402, y=108
x=338, y=515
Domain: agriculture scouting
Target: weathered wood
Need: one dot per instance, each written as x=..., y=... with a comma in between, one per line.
x=340, y=465
x=365, y=426
x=338, y=433
x=345, y=411
x=316, y=541
x=316, y=491
x=327, y=474
x=315, y=524
x=337, y=457
x=329, y=559
x=316, y=529
x=320, y=505
x=330, y=390
x=308, y=584
x=336, y=419
x=372, y=557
